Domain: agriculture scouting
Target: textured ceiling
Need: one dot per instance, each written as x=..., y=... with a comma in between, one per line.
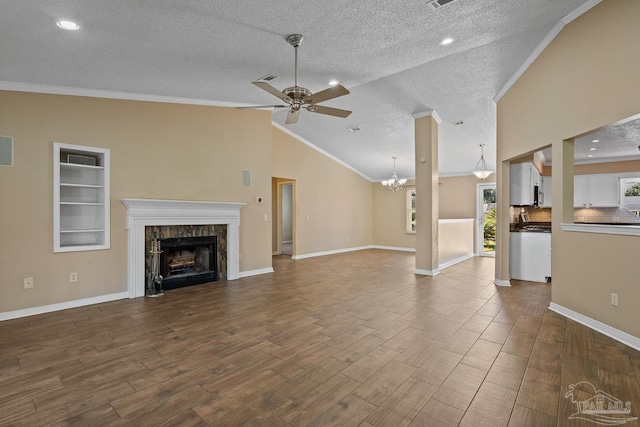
x=618, y=141
x=388, y=54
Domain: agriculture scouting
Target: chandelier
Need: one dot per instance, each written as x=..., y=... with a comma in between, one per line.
x=481, y=167
x=394, y=184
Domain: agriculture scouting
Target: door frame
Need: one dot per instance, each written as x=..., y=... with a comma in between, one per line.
x=479, y=230
x=278, y=217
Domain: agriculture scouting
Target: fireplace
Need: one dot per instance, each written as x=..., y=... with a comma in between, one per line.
x=187, y=261
x=142, y=213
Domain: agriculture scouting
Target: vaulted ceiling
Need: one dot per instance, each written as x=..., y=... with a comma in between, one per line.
x=388, y=54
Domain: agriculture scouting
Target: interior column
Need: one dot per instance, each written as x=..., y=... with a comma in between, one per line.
x=503, y=276
x=426, y=158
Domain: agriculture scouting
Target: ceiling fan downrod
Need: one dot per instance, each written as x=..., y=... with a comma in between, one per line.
x=295, y=40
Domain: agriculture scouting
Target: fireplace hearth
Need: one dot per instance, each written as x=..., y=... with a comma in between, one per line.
x=187, y=261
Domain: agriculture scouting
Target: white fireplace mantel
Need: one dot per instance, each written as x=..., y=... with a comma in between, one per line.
x=147, y=212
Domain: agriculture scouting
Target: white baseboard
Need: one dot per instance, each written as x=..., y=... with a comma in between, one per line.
x=336, y=251
x=499, y=282
x=455, y=261
x=256, y=272
x=393, y=248
x=7, y=315
x=427, y=272
x=616, y=334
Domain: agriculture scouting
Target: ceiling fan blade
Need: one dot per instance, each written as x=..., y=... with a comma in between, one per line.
x=329, y=111
x=263, y=106
x=272, y=90
x=292, y=117
x=324, y=95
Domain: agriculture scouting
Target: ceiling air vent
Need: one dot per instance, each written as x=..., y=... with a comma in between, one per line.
x=354, y=129
x=267, y=78
x=439, y=3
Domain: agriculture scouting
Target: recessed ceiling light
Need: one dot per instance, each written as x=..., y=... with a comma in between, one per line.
x=590, y=155
x=67, y=24
x=446, y=41
x=596, y=140
x=592, y=149
x=333, y=82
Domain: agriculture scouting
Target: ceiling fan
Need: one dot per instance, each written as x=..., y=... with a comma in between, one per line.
x=298, y=97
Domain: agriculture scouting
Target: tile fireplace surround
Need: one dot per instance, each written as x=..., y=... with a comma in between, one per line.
x=147, y=212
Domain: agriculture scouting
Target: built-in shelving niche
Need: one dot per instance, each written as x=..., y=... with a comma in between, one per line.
x=80, y=198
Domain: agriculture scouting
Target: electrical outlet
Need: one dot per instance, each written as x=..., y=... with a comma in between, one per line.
x=614, y=299
x=73, y=277
x=28, y=282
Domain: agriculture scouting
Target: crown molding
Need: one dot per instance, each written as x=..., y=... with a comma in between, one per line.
x=96, y=93
x=427, y=113
x=580, y=10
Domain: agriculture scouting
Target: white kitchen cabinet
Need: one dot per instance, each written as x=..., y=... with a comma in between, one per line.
x=580, y=197
x=81, y=200
x=523, y=178
x=545, y=197
x=596, y=191
x=530, y=256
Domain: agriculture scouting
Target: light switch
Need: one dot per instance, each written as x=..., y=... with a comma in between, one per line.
x=266, y=217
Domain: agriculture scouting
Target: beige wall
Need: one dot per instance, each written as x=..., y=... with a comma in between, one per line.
x=455, y=240
x=337, y=201
x=457, y=199
x=586, y=78
x=458, y=195
x=163, y=151
x=611, y=167
x=389, y=217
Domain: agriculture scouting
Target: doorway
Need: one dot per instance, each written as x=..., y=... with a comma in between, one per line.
x=286, y=218
x=283, y=240
x=486, y=219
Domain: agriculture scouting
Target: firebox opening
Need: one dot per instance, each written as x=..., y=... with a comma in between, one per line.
x=188, y=261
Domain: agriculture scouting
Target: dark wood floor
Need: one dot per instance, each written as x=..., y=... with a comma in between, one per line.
x=351, y=339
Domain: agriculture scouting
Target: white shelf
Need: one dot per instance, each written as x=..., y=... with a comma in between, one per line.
x=81, y=201
x=63, y=184
x=64, y=165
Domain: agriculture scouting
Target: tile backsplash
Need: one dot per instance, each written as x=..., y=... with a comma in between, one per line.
x=599, y=215
x=535, y=214
x=609, y=215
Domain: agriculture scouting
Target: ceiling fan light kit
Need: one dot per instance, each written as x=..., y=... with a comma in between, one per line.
x=394, y=184
x=481, y=167
x=297, y=97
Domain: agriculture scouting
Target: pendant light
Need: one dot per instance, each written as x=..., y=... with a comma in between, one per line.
x=394, y=184
x=481, y=167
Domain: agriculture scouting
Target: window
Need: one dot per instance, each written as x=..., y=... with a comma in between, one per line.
x=411, y=210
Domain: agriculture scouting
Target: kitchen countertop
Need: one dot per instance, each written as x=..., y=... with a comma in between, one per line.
x=531, y=227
